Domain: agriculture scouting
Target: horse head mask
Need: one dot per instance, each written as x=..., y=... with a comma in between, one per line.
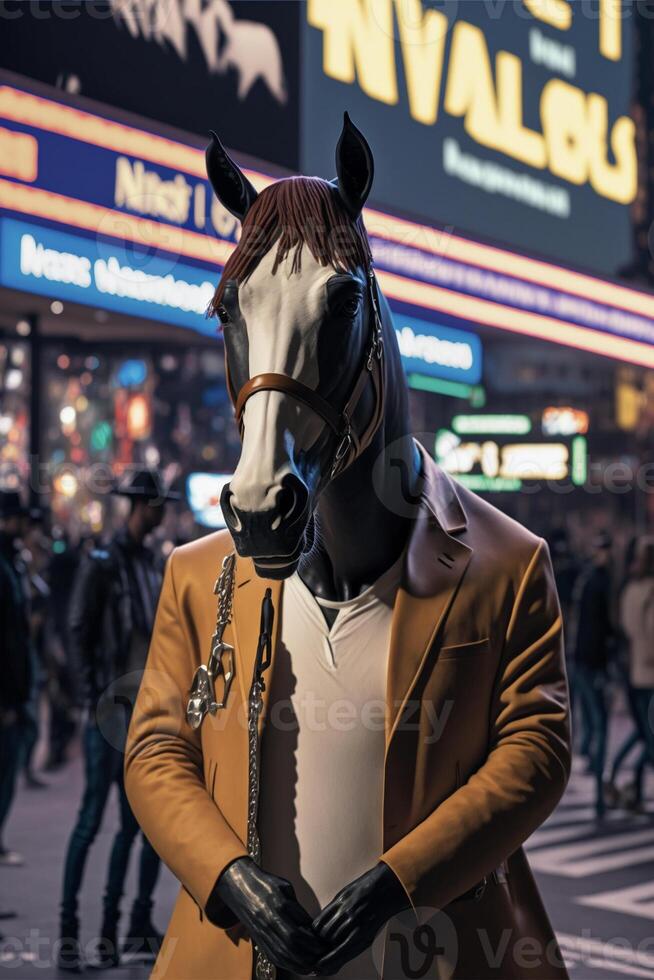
x=304, y=352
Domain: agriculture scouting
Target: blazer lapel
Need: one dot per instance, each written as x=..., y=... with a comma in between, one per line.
x=249, y=591
x=436, y=561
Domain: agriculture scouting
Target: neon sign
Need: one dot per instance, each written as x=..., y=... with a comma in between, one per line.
x=575, y=134
x=491, y=464
x=55, y=263
x=87, y=174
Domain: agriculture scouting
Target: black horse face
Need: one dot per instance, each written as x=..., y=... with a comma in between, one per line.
x=313, y=326
x=305, y=321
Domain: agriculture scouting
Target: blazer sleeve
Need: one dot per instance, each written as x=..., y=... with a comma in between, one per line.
x=163, y=763
x=527, y=766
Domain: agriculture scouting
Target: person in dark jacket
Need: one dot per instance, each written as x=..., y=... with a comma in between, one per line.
x=16, y=659
x=110, y=620
x=593, y=637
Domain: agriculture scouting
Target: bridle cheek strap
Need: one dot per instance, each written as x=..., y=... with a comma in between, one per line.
x=349, y=445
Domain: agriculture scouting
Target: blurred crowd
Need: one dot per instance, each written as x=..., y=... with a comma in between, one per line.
x=607, y=602
x=75, y=625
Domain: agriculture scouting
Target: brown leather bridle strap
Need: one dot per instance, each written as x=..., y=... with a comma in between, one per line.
x=288, y=386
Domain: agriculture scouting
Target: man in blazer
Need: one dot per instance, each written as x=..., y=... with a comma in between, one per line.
x=475, y=644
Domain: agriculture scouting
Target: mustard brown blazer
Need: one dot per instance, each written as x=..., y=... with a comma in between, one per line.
x=475, y=643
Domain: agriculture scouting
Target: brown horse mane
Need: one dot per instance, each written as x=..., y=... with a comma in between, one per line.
x=294, y=212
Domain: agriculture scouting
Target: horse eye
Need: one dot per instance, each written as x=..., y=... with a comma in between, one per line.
x=223, y=315
x=350, y=307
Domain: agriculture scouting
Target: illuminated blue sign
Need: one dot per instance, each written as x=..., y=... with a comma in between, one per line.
x=114, y=276
x=437, y=350
x=203, y=494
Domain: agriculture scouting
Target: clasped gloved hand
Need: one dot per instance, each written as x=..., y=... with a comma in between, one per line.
x=271, y=914
x=267, y=907
x=349, y=924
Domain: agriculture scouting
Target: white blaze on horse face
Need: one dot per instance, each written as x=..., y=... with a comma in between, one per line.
x=282, y=314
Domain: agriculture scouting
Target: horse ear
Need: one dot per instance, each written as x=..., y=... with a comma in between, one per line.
x=231, y=186
x=355, y=167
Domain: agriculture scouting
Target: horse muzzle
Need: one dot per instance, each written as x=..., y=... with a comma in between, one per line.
x=273, y=538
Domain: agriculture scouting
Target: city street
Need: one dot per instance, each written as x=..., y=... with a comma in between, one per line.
x=597, y=881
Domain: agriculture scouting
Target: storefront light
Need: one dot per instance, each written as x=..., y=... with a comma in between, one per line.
x=579, y=461
x=489, y=484
x=515, y=425
x=101, y=435
x=67, y=416
x=138, y=417
x=23, y=328
x=441, y=386
x=66, y=484
x=564, y=421
x=56, y=307
x=13, y=379
x=534, y=461
x=94, y=513
x=152, y=456
x=132, y=373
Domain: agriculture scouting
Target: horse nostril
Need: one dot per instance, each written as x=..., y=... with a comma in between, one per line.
x=290, y=502
x=286, y=501
x=229, y=514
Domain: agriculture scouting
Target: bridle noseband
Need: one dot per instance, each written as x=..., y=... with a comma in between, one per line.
x=349, y=444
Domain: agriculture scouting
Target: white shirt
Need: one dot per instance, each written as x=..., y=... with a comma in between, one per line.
x=322, y=755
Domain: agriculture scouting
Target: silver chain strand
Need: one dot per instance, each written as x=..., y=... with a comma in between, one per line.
x=224, y=589
x=264, y=969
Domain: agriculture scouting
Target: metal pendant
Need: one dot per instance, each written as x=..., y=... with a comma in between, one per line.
x=217, y=667
x=201, y=697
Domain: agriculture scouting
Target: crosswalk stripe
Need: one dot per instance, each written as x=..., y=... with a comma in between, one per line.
x=556, y=835
x=601, y=954
x=633, y=900
x=591, y=866
x=597, y=856
x=573, y=814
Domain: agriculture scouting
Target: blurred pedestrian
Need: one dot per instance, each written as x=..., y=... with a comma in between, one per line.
x=111, y=617
x=592, y=639
x=637, y=621
x=16, y=660
x=566, y=568
x=62, y=570
x=614, y=796
x=36, y=553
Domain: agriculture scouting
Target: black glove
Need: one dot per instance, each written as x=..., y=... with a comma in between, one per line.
x=271, y=914
x=353, y=918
